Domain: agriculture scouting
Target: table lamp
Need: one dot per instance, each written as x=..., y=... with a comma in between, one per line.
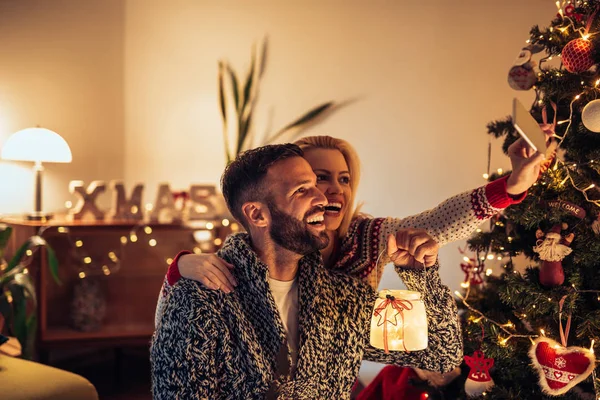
x=37, y=145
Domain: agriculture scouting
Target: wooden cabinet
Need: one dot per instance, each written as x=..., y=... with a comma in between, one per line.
x=126, y=262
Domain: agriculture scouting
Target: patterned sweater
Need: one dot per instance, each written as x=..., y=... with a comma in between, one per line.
x=210, y=345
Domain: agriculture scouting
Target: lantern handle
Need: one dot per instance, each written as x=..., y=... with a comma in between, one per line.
x=424, y=280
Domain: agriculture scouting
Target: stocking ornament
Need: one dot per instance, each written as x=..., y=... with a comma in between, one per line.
x=479, y=379
x=552, y=248
x=560, y=368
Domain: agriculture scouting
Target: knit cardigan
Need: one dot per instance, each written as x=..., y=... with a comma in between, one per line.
x=212, y=345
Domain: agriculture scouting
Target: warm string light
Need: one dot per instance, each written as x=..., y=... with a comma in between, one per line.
x=482, y=317
x=115, y=257
x=569, y=177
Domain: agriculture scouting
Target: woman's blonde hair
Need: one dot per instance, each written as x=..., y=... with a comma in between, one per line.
x=351, y=157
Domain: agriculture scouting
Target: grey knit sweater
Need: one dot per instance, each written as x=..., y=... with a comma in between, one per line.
x=211, y=345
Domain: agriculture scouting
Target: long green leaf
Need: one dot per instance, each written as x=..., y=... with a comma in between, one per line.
x=223, y=112
x=263, y=58
x=303, y=121
x=246, y=124
x=52, y=263
x=234, y=87
x=18, y=256
x=247, y=105
x=5, y=232
x=20, y=313
x=31, y=325
x=6, y=311
x=24, y=280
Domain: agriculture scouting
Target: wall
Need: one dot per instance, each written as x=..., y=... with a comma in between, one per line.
x=61, y=67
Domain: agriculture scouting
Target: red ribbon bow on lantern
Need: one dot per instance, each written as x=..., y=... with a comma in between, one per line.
x=399, y=306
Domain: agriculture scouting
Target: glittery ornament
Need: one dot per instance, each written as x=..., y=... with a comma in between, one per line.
x=577, y=55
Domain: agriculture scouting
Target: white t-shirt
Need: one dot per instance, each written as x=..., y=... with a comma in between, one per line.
x=285, y=294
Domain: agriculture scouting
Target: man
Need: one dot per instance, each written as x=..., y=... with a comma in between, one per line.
x=292, y=329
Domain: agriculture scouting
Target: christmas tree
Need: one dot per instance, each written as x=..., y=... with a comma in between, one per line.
x=530, y=331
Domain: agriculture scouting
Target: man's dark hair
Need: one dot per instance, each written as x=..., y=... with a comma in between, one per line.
x=242, y=180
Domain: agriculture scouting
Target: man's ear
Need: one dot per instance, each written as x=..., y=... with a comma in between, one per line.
x=256, y=213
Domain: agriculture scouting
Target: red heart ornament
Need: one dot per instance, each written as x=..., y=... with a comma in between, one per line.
x=560, y=368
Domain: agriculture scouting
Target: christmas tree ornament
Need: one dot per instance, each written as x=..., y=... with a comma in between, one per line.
x=577, y=55
x=560, y=368
x=479, y=379
x=590, y=116
x=567, y=9
x=473, y=273
x=552, y=249
x=522, y=75
x=596, y=225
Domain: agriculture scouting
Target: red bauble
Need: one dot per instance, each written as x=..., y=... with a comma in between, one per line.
x=552, y=273
x=577, y=55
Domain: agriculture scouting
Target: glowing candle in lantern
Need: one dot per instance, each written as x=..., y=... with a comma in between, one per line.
x=399, y=321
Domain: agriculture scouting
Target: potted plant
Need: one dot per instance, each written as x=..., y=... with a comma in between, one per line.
x=238, y=99
x=18, y=301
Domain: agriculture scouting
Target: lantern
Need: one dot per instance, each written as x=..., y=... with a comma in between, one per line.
x=399, y=321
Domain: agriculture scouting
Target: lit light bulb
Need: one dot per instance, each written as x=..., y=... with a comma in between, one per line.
x=148, y=230
x=485, y=176
x=209, y=225
x=78, y=243
x=152, y=242
x=225, y=222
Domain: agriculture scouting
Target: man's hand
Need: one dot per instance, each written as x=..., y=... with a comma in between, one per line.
x=412, y=248
x=213, y=272
x=525, y=167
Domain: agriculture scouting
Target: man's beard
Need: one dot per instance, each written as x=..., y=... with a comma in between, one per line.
x=292, y=234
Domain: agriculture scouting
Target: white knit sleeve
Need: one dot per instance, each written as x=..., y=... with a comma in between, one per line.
x=454, y=219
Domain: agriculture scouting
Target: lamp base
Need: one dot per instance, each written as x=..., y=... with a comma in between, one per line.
x=39, y=216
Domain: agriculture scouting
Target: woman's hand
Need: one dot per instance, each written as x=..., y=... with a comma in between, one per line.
x=412, y=248
x=208, y=269
x=525, y=167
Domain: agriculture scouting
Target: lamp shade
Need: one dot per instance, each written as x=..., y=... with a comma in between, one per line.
x=38, y=145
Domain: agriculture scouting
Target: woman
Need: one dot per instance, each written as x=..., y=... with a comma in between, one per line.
x=357, y=240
